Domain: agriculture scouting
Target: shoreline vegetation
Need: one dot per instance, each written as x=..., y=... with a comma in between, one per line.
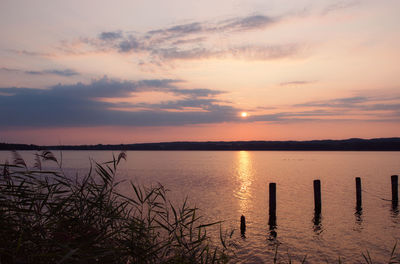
x=353, y=144
x=49, y=217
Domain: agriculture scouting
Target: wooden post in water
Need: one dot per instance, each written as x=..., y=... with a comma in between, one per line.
x=242, y=225
x=358, y=193
x=395, y=189
x=317, y=196
x=272, y=199
x=272, y=208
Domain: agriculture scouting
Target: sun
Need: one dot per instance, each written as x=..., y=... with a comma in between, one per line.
x=243, y=114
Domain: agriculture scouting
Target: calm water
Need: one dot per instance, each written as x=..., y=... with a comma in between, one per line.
x=227, y=184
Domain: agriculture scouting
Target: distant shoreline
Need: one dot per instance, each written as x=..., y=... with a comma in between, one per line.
x=353, y=144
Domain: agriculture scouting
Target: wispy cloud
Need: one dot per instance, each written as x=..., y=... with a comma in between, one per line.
x=58, y=72
x=248, y=52
x=196, y=39
x=248, y=23
x=346, y=102
x=31, y=53
x=238, y=24
x=192, y=41
x=295, y=116
x=367, y=107
x=179, y=30
x=266, y=52
x=65, y=73
x=345, y=109
x=110, y=35
x=296, y=83
x=5, y=69
x=189, y=41
x=337, y=5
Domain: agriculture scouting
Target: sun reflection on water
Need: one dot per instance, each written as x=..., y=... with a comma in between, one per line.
x=245, y=179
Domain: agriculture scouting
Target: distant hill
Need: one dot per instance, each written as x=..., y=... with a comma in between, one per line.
x=353, y=144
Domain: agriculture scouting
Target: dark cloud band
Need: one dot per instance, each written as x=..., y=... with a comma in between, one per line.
x=79, y=105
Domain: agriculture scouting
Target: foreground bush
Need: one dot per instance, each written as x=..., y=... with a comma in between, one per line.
x=49, y=217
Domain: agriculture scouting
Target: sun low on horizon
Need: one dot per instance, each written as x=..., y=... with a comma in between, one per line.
x=130, y=72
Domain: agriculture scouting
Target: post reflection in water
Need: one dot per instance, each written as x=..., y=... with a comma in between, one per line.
x=394, y=209
x=272, y=227
x=358, y=214
x=317, y=223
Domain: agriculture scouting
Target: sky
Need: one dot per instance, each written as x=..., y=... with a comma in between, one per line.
x=111, y=72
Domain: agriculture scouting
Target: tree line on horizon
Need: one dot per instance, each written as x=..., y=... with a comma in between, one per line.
x=355, y=144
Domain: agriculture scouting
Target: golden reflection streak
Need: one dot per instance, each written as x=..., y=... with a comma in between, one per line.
x=245, y=177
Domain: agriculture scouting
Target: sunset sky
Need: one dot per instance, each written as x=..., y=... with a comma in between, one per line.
x=77, y=72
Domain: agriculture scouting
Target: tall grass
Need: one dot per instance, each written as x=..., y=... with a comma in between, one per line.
x=49, y=217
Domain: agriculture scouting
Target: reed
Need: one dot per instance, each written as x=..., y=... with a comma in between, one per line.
x=49, y=217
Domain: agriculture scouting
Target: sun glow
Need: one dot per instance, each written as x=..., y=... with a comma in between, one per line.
x=243, y=114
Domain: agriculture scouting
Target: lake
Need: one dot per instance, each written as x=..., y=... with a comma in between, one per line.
x=228, y=184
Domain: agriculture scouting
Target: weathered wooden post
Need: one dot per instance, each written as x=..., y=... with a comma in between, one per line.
x=272, y=199
x=395, y=189
x=317, y=196
x=272, y=206
x=242, y=225
x=358, y=193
